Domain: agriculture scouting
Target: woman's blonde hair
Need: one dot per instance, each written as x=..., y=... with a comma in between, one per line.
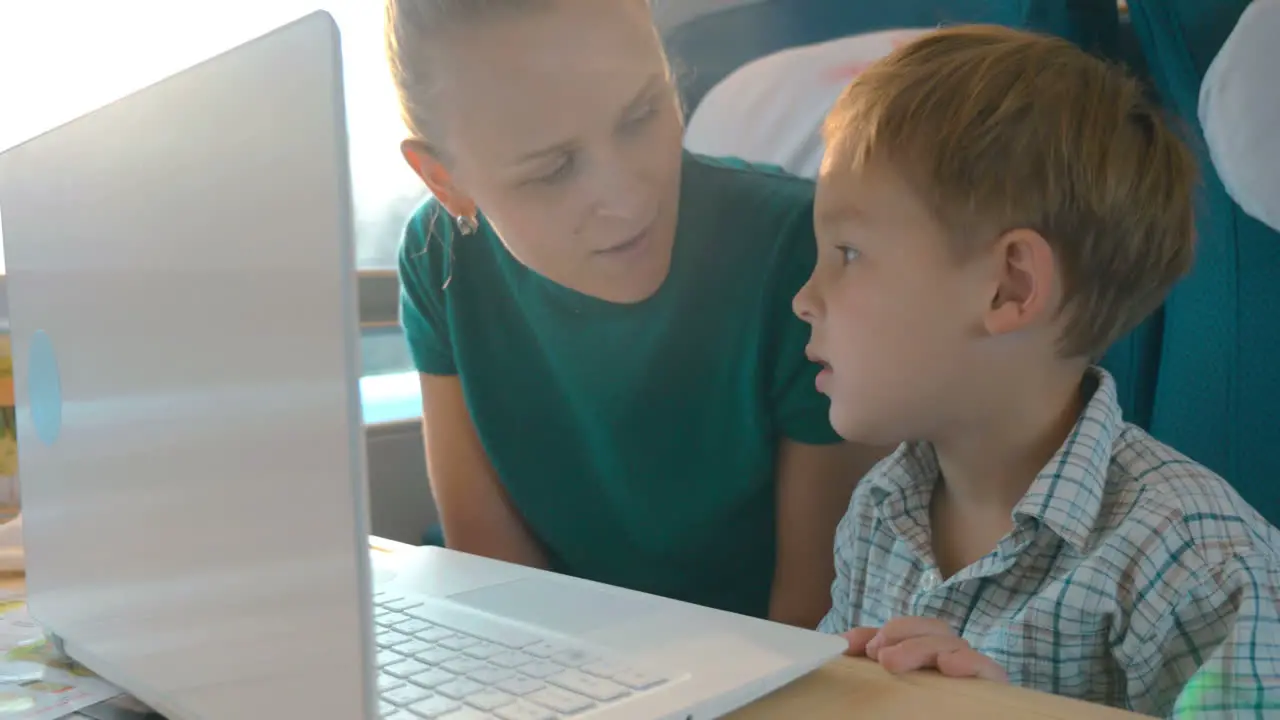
x=415, y=31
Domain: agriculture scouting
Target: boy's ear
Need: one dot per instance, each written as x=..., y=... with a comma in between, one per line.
x=438, y=178
x=1026, y=283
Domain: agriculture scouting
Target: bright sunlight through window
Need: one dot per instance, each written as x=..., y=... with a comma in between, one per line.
x=59, y=60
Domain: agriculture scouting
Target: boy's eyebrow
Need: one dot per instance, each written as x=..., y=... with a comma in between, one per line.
x=649, y=88
x=842, y=213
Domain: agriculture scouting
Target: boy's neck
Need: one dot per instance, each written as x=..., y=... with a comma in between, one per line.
x=989, y=464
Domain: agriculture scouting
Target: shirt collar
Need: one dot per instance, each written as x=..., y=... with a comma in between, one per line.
x=1065, y=496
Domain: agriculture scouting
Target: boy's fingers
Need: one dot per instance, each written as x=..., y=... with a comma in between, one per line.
x=918, y=653
x=970, y=663
x=904, y=628
x=858, y=639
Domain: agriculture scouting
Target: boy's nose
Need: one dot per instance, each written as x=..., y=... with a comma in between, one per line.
x=805, y=304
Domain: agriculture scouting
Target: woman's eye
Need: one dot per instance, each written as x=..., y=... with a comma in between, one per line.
x=848, y=254
x=560, y=172
x=640, y=116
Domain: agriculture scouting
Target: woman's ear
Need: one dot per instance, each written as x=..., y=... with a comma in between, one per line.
x=437, y=178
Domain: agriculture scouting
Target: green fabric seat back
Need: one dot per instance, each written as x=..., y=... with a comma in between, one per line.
x=1218, y=390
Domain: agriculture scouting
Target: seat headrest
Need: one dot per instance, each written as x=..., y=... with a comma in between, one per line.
x=1239, y=112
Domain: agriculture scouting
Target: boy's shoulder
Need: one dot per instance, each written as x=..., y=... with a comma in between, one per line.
x=1157, y=494
x=1112, y=489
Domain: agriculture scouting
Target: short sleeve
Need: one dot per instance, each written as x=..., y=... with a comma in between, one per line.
x=423, y=270
x=800, y=412
x=839, y=618
x=1208, y=648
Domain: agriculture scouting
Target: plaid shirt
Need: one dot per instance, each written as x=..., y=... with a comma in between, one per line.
x=1133, y=577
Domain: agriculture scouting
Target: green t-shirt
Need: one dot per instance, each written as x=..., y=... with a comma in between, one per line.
x=638, y=441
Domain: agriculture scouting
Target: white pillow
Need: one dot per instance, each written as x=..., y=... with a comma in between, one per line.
x=1240, y=112
x=771, y=110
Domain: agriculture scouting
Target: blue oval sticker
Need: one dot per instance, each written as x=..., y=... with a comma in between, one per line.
x=44, y=387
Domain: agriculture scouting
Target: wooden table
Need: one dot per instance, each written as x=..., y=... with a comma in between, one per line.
x=852, y=688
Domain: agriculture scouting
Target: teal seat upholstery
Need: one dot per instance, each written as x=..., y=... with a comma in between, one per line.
x=707, y=48
x=1218, y=391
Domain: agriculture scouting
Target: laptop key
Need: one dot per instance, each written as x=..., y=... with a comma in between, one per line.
x=489, y=700
x=573, y=658
x=387, y=656
x=459, y=688
x=436, y=656
x=434, y=634
x=399, y=715
x=466, y=713
x=432, y=678
x=387, y=683
x=413, y=647
x=559, y=700
x=544, y=649
x=390, y=619
x=391, y=638
x=412, y=626
x=476, y=626
x=458, y=642
x=593, y=687
x=433, y=707
x=406, y=668
x=521, y=685
x=400, y=604
x=602, y=669
x=524, y=711
x=511, y=659
x=464, y=665
x=541, y=669
x=406, y=695
x=491, y=675
x=483, y=650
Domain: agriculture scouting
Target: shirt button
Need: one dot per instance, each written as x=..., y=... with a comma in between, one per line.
x=930, y=581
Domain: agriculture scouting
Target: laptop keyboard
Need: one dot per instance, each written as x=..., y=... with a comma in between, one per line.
x=438, y=662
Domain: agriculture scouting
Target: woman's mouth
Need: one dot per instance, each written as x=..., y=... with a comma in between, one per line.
x=629, y=246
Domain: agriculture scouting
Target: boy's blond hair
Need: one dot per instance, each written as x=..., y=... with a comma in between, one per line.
x=1000, y=129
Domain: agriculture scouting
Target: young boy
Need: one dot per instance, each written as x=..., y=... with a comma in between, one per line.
x=995, y=209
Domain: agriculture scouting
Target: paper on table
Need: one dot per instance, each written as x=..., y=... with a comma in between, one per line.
x=35, y=682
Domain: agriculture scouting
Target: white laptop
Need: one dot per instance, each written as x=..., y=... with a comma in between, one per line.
x=184, y=326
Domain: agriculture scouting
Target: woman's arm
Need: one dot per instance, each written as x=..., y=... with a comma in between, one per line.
x=475, y=511
x=815, y=483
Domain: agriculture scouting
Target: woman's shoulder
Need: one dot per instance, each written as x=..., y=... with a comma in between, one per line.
x=431, y=244
x=752, y=205
x=428, y=224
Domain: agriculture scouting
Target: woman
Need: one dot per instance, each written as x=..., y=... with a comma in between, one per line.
x=613, y=383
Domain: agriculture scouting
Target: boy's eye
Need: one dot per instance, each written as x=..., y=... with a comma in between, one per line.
x=848, y=254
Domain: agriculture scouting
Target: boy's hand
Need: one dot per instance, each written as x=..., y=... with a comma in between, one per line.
x=912, y=643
